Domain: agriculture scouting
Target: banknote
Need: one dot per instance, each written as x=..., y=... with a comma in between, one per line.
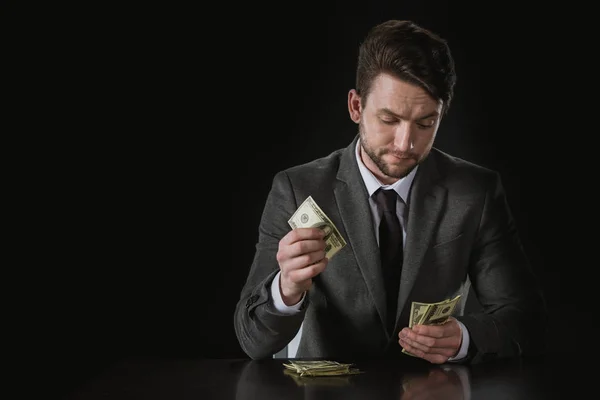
x=309, y=214
x=417, y=311
x=438, y=313
x=431, y=313
x=319, y=380
x=320, y=368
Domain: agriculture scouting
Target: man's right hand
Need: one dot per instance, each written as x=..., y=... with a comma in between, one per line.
x=301, y=257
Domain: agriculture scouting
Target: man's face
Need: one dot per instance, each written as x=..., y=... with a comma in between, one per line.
x=397, y=125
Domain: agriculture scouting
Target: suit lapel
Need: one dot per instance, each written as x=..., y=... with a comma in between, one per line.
x=425, y=205
x=426, y=200
x=352, y=199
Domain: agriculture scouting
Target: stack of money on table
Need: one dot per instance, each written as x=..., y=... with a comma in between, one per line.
x=320, y=368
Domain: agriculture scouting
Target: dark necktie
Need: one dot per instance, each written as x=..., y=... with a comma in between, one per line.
x=390, y=248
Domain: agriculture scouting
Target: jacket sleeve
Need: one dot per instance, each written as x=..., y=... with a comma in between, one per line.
x=260, y=328
x=513, y=319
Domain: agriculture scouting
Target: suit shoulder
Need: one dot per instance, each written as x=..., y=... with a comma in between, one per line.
x=319, y=169
x=459, y=170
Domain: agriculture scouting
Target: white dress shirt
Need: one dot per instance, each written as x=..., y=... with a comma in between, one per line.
x=402, y=187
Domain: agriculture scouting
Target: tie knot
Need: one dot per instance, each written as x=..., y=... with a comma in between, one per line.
x=386, y=200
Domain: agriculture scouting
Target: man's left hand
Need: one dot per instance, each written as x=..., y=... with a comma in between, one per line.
x=434, y=343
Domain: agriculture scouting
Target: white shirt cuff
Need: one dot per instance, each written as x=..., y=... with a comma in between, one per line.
x=464, y=347
x=278, y=301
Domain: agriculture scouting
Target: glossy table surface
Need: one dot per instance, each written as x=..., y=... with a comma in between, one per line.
x=242, y=379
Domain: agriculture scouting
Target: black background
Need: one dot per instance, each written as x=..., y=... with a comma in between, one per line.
x=184, y=116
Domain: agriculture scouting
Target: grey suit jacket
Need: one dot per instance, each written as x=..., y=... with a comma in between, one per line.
x=460, y=232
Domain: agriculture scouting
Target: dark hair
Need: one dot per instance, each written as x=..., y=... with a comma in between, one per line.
x=409, y=52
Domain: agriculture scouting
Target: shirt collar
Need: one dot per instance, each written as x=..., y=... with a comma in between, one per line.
x=401, y=186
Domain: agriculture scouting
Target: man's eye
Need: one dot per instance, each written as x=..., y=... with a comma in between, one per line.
x=427, y=124
x=388, y=121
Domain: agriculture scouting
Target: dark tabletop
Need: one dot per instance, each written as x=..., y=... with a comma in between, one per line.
x=243, y=379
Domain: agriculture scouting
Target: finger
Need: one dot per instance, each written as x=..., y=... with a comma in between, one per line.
x=302, y=274
x=301, y=261
x=305, y=246
x=448, y=329
x=447, y=346
x=429, y=341
x=301, y=250
x=433, y=358
x=299, y=234
x=427, y=350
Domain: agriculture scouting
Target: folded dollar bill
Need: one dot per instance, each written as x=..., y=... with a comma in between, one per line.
x=309, y=214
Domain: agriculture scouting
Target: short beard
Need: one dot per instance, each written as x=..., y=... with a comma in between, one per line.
x=377, y=159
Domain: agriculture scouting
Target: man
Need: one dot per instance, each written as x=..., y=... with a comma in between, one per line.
x=447, y=220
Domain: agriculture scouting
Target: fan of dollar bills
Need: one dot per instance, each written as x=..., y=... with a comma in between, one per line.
x=320, y=368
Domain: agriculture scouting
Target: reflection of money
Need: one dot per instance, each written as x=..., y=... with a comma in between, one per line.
x=431, y=313
x=309, y=214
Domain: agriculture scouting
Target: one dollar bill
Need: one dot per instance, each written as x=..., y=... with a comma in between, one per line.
x=431, y=313
x=309, y=214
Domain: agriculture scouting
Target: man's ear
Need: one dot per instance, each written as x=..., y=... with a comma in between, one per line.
x=354, y=106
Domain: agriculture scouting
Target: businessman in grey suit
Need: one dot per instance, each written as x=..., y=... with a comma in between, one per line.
x=453, y=231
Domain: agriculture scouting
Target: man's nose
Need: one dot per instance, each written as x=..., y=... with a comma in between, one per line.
x=403, y=139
